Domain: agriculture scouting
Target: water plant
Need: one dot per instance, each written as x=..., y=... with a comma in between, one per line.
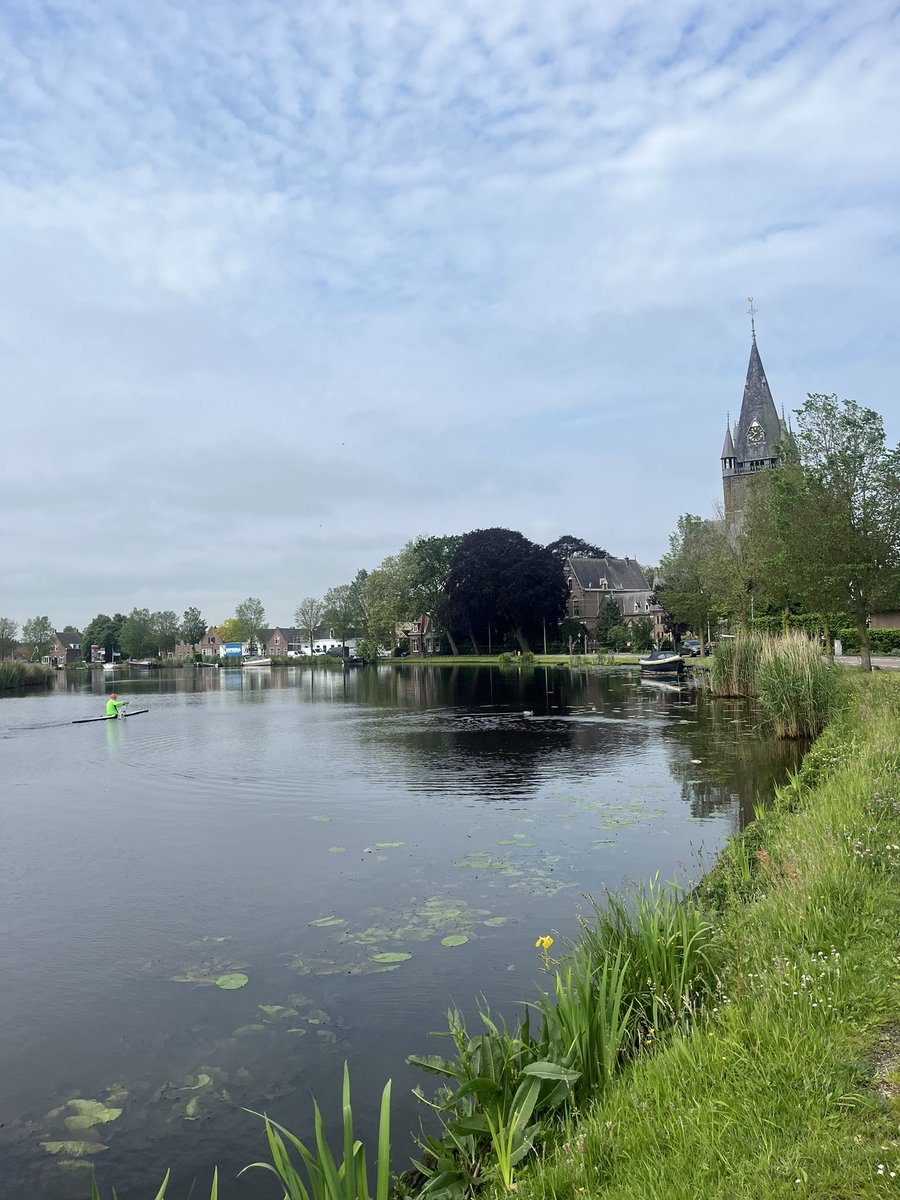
x=797, y=688
x=22, y=674
x=327, y=1179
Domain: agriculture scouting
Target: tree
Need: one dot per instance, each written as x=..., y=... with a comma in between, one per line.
x=686, y=573
x=9, y=632
x=835, y=511
x=607, y=618
x=641, y=635
x=103, y=631
x=37, y=632
x=386, y=603
x=165, y=628
x=192, y=628
x=340, y=611
x=308, y=617
x=252, y=617
x=570, y=632
x=137, y=637
x=232, y=630
x=569, y=546
x=501, y=581
x=426, y=563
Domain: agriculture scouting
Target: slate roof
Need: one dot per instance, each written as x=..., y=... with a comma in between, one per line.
x=620, y=574
x=728, y=445
x=757, y=408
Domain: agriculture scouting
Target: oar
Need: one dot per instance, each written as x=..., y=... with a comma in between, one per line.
x=114, y=717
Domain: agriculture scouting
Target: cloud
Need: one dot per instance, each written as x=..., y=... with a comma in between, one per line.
x=315, y=279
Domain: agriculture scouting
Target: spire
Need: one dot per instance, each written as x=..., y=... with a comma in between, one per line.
x=752, y=311
x=728, y=447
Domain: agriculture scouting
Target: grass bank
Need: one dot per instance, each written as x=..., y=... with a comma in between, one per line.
x=21, y=674
x=786, y=1083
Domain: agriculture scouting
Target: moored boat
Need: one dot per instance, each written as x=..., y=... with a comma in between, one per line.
x=257, y=662
x=661, y=662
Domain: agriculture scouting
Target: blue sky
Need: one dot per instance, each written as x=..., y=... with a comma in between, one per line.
x=287, y=285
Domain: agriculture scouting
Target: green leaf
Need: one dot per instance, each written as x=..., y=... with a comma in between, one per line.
x=454, y=939
x=391, y=956
x=229, y=983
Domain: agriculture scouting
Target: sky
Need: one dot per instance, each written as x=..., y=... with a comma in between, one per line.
x=286, y=285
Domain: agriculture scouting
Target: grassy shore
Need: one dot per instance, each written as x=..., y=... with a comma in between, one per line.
x=787, y=1083
x=21, y=674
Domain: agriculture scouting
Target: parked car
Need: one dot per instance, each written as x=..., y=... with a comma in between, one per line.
x=690, y=648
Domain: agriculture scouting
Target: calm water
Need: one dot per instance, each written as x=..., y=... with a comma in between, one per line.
x=142, y=859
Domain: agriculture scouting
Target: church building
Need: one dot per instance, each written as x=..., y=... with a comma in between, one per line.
x=752, y=445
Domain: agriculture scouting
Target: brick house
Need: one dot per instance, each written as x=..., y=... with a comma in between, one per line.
x=593, y=581
x=421, y=635
x=207, y=647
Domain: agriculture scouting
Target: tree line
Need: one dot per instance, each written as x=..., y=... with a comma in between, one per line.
x=819, y=534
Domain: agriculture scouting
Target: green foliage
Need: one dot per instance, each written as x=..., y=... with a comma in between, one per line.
x=797, y=689
x=137, y=637
x=19, y=674
x=571, y=631
x=165, y=630
x=641, y=634
x=881, y=641
x=326, y=1178
x=9, y=631
x=569, y=546
x=193, y=626
x=608, y=618
x=341, y=611
x=102, y=631
x=308, y=617
x=250, y=617
x=735, y=665
x=619, y=638
x=37, y=633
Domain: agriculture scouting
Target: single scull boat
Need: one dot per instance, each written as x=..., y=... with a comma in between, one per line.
x=87, y=720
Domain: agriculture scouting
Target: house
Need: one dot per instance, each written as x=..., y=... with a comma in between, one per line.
x=421, y=635
x=593, y=581
x=66, y=647
x=207, y=647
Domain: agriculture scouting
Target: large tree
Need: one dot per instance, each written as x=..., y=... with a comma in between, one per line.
x=308, y=617
x=37, y=633
x=232, y=630
x=9, y=632
x=341, y=611
x=102, y=631
x=500, y=581
x=165, y=627
x=252, y=618
x=835, y=511
x=569, y=546
x=687, y=573
x=192, y=628
x=137, y=637
x=426, y=563
x=608, y=618
x=386, y=603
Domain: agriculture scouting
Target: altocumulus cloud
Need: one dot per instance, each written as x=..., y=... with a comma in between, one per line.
x=285, y=288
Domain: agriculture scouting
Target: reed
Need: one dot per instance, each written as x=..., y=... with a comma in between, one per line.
x=735, y=666
x=21, y=674
x=797, y=689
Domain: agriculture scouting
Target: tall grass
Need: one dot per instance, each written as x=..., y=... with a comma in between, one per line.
x=21, y=674
x=735, y=666
x=797, y=689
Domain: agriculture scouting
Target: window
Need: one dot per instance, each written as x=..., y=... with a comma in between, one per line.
x=576, y=609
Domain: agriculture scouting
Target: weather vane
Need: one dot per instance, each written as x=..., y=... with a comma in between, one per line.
x=752, y=311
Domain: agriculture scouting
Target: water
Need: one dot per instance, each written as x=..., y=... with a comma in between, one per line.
x=143, y=859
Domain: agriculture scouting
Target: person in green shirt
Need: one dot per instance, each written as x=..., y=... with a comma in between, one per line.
x=113, y=706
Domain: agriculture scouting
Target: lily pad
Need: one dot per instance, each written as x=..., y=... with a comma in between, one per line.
x=74, y=1149
x=230, y=983
x=391, y=956
x=321, y=820
x=454, y=939
x=337, y=849
x=327, y=922
x=493, y=922
x=388, y=845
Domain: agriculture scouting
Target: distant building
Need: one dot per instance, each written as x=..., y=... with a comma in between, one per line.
x=753, y=444
x=593, y=581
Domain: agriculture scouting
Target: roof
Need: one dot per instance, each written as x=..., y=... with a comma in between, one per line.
x=758, y=413
x=728, y=445
x=608, y=574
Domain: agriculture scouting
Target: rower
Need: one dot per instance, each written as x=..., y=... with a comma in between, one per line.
x=113, y=705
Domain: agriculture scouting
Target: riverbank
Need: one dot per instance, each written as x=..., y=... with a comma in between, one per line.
x=789, y=1083
x=20, y=674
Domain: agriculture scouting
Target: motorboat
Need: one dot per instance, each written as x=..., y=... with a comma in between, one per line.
x=661, y=662
x=257, y=662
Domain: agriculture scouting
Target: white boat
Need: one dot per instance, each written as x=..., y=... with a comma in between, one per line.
x=257, y=662
x=661, y=662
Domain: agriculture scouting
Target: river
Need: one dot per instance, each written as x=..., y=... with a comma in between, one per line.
x=365, y=847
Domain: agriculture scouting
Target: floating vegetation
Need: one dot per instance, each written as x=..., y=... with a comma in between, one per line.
x=392, y=956
x=209, y=971
x=315, y=964
x=74, y=1149
x=195, y=1096
x=321, y=820
x=337, y=849
x=249, y=1030
x=388, y=845
x=327, y=922
x=514, y=841
x=495, y=922
x=454, y=939
x=232, y=981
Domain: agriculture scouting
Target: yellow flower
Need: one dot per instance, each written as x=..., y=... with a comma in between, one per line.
x=543, y=943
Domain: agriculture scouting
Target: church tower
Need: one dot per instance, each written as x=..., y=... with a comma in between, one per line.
x=752, y=446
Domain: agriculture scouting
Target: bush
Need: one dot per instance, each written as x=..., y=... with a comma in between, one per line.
x=881, y=641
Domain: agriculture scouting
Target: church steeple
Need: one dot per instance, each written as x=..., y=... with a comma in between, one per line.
x=758, y=430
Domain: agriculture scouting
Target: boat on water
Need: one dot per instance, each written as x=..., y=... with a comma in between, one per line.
x=661, y=662
x=257, y=662
x=144, y=663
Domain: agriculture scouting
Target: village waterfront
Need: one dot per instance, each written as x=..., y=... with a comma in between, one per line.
x=366, y=847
